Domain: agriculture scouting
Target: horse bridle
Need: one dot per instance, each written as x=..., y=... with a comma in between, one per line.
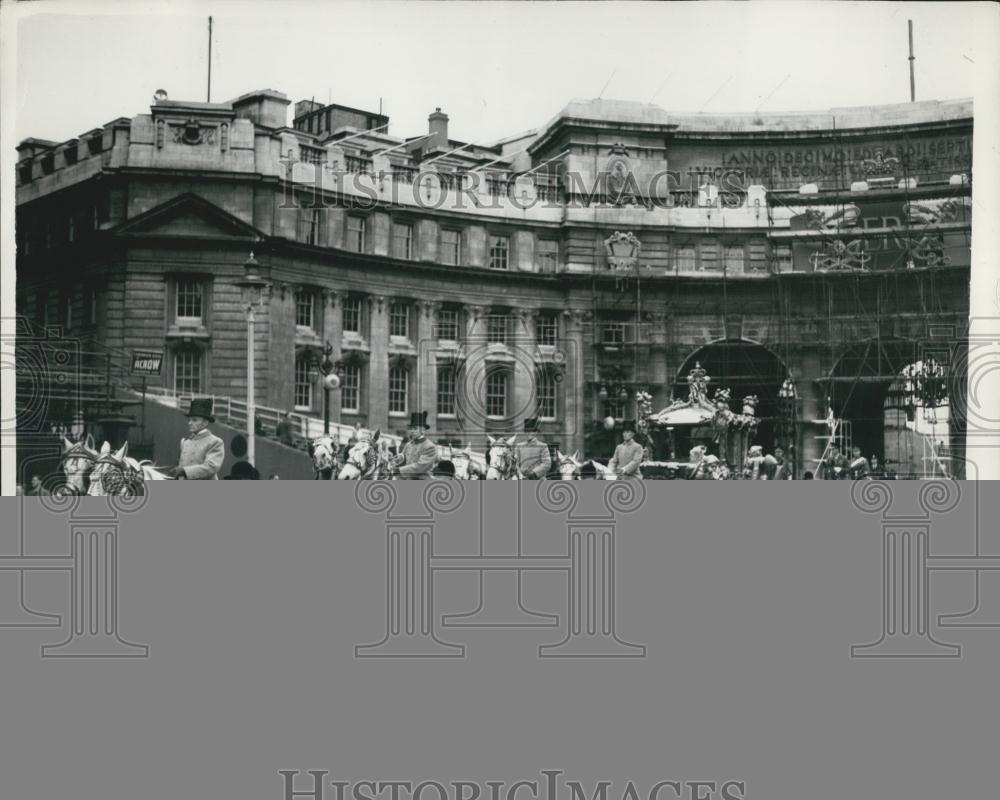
x=329, y=461
x=509, y=467
x=371, y=461
x=75, y=454
x=121, y=474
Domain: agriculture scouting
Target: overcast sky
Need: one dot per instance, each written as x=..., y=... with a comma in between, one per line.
x=495, y=68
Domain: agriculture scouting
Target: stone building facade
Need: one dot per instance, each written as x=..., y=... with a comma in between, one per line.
x=553, y=274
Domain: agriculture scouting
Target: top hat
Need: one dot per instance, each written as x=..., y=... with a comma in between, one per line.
x=201, y=407
x=628, y=425
x=531, y=425
x=418, y=419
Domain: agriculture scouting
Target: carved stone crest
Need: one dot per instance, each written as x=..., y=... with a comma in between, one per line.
x=193, y=132
x=623, y=251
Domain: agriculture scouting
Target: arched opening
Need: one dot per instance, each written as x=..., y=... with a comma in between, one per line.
x=896, y=401
x=745, y=368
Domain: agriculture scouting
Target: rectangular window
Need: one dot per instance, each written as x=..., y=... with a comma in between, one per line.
x=67, y=311
x=399, y=320
x=546, y=408
x=496, y=394
x=305, y=308
x=547, y=255
x=685, y=259
x=71, y=227
x=356, y=233
x=92, y=305
x=499, y=252
x=303, y=385
x=451, y=243
x=402, y=241
x=312, y=226
x=496, y=329
x=783, y=258
x=546, y=329
x=189, y=301
x=187, y=372
x=613, y=407
x=352, y=315
x=447, y=325
x=613, y=333
x=398, y=390
x=709, y=257
x=350, y=389
x=733, y=258
x=758, y=257
x=445, y=389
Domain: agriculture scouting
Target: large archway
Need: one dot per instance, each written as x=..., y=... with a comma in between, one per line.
x=745, y=368
x=896, y=400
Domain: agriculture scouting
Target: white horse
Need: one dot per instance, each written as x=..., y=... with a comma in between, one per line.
x=465, y=468
x=78, y=459
x=568, y=466
x=323, y=451
x=604, y=473
x=368, y=459
x=502, y=460
x=119, y=475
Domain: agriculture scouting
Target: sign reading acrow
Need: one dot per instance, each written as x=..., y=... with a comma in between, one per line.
x=146, y=362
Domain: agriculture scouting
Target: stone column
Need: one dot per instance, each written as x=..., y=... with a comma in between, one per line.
x=333, y=332
x=525, y=352
x=378, y=364
x=469, y=402
x=426, y=376
x=658, y=378
x=812, y=410
x=574, y=385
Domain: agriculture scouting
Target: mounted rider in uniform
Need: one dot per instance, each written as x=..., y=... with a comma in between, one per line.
x=533, y=456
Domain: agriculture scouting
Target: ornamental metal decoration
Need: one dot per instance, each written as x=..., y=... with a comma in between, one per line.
x=881, y=166
x=925, y=251
x=840, y=256
x=623, y=251
x=932, y=212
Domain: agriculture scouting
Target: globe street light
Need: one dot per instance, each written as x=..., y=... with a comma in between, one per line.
x=255, y=288
x=331, y=372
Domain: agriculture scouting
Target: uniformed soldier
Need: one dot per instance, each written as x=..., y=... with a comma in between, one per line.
x=202, y=452
x=533, y=457
x=859, y=467
x=419, y=453
x=834, y=466
x=628, y=455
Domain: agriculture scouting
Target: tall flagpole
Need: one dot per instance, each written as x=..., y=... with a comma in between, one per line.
x=209, y=99
x=913, y=85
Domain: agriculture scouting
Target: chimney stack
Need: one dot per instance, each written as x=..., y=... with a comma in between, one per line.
x=437, y=126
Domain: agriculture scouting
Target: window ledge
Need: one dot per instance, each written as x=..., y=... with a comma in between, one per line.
x=186, y=331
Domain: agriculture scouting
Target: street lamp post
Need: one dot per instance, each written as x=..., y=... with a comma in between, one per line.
x=331, y=372
x=254, y=290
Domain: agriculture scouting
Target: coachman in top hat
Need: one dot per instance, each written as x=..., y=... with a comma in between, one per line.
x=202, y=452
x=419, y=453
x=628, y=455
x=533, y=456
